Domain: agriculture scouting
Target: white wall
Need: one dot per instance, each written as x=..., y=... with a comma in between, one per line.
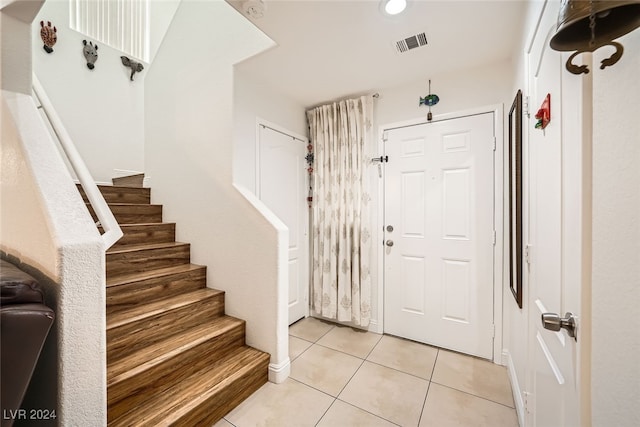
x=44, y=224
x=252, y=101
x=15, y=42
x=189, y=130
x=614, y=294
x=516, y=321
x=477, y=87
x=102, y=109
x=615, y=382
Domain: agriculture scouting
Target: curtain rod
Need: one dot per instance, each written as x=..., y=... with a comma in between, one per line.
x=375, y=95
x=280, y=132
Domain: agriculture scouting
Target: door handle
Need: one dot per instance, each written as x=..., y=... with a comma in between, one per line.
x=389, y=243
x=554, y=322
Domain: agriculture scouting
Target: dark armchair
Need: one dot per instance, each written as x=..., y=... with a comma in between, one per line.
x=24, y=325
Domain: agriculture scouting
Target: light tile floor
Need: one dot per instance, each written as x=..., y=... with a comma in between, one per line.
x=341, y=377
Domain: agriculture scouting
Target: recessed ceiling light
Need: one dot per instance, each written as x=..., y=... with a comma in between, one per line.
x=394, y=7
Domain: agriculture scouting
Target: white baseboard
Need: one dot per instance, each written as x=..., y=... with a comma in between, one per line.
x=515, y=387
x=375, y=327
x=279, y=372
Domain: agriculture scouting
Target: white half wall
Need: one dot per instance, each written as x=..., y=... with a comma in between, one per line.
x=44, y=224
x=189, y=153
x=102, y=109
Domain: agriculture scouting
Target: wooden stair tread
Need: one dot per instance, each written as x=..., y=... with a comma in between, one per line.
x=120, y=204
x=151, y=274
x=153, y=308
x=166, y=408
x=146, y=246
x=173, y=356
x=157, y=353
x=116, y=187
x=145, y=224
x=121, y=194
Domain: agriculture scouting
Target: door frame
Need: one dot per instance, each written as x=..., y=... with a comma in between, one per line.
x=306, y=232
x=498, y=215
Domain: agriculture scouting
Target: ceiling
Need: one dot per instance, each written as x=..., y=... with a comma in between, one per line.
x=331, y=49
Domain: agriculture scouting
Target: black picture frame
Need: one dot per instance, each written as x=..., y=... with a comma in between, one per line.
x=515, y=198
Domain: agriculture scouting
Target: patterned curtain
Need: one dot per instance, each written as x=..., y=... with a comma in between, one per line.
x=341, y=282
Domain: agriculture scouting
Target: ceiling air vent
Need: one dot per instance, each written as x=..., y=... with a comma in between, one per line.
x=412, y=42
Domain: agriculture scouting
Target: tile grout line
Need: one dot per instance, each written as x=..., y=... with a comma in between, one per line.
x=351, y=378
x=434, y=365
x=325, y=412
x=398, y=370
x=474, y=395
x=368, y=412
x=312, y=387
x=424, y=403
x=303, y=351
x=462, y=391
x=349, y=354
x=319, y=338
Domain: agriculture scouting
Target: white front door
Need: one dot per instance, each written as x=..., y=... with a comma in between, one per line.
x=282, y=186
x=555, y=200
x=439, y=213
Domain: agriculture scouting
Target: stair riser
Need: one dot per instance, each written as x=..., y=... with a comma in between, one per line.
x=146, y=260
x=129, y=294
x=146, y=234
x=219, y=405
x=131, y=393
x=133, y=214
x=239, y=380
x=126, y=339
x=121, y=194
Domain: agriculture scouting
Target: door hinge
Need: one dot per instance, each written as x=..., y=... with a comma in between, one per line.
x=525, y=105
x=527, y=254
x=494, y=237
x=493, y=331
x=385, y=136
x=494, y=143
x=527, y=400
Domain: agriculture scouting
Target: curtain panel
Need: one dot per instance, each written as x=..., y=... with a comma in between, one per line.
x=341, y=232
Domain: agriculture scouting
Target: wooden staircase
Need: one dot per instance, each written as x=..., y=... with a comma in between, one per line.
x=173, y=356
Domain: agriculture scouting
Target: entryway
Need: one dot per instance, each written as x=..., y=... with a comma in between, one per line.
x=439, y=233
x=343, y=377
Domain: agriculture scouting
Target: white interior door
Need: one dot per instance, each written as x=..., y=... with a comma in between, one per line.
x=556, y=197
x=439, y=205
x=282, y=186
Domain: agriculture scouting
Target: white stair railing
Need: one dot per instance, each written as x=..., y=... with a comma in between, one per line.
x=112, y=232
